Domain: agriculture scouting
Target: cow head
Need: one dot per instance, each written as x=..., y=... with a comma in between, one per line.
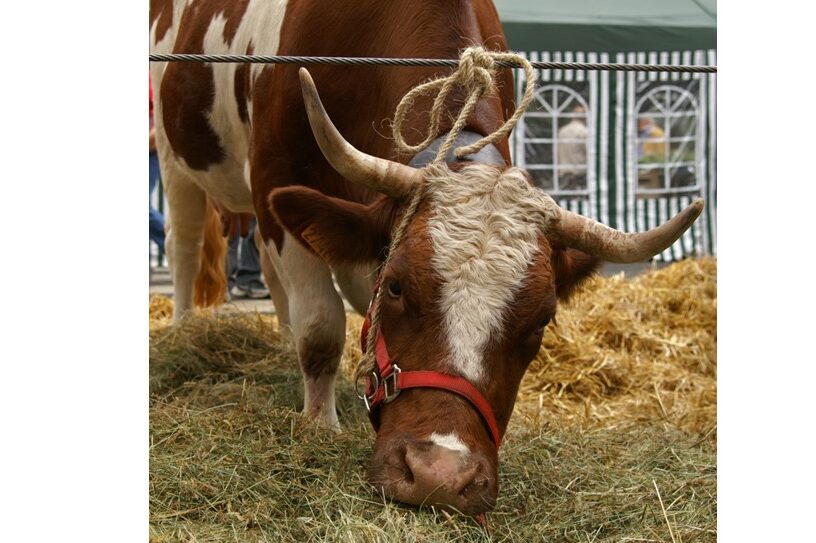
x=468, y=292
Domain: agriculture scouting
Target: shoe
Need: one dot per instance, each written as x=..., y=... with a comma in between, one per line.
x=256, y=290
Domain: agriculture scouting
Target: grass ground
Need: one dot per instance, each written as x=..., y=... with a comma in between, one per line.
x=613, y=438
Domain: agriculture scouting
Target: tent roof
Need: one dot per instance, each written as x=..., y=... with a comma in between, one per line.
x=609, y=25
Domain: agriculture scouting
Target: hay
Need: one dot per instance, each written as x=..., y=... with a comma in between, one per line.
x=208, y=347
x=632, y=350
x=161, y=307
x=238, y=466
x=621, y=398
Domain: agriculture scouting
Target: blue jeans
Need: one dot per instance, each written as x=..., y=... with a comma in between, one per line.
x=156, y=219
x=245, y=268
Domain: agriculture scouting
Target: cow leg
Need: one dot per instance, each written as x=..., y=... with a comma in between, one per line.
x=357, y=284
x=318, y=321
x=187, y=204
x=276, y=290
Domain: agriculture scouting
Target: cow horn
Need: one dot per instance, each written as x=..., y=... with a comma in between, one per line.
x=612, y=245
x=391, y=178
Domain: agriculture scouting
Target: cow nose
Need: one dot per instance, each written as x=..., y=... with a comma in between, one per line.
x=438, y=475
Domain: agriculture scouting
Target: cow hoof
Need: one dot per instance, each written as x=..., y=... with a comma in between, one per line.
x=285, y=332
x=323, y=420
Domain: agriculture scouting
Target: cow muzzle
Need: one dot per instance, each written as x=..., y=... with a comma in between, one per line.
x=424, y=473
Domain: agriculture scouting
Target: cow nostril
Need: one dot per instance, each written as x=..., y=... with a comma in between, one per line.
x=476, y=485
x=422, y=473
x=407, y=473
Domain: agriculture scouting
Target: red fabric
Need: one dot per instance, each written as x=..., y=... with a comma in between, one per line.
x=451, y=383
x=382, y=356
x=150, y=84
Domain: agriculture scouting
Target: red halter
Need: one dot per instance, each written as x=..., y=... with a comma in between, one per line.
x=385, y=387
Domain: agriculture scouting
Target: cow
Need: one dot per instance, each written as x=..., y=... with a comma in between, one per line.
x=485, y=257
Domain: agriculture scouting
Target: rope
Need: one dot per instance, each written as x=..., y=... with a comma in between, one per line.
x=429, y=62
x=476, y=72
x=368, y=361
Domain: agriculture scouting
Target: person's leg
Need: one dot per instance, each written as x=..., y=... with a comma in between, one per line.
x=248, y=277
x=156, y=221
x=232, y=260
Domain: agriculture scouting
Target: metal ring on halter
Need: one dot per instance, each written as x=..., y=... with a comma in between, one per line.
x=395, y=390
x=366, y=399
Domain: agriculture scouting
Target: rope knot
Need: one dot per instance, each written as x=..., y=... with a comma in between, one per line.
x=476, y=70
x=475, y=74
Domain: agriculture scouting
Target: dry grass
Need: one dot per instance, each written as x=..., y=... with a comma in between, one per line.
x=619, y=404
x=632, y=351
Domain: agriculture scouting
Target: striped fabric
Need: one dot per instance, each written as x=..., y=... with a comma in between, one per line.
x=614, y=97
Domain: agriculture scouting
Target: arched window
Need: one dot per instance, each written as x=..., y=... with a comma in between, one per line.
x=557, y=138
x=667, y=140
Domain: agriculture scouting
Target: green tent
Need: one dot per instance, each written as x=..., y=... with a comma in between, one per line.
x=629, y=149
x=610, y=26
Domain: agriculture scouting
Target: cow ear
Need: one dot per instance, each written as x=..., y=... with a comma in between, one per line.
x=337, y=230
x=572, y=267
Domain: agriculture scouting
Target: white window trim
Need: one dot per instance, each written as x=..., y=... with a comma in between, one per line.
x=521, y=156
x=633, y=142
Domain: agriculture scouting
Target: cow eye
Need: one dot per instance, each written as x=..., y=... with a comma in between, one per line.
x=394, y=289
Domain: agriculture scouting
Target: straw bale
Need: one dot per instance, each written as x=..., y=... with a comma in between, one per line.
x=209, y=345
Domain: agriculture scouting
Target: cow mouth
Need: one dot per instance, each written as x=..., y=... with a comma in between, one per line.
x=468, y=501
x=419, y=474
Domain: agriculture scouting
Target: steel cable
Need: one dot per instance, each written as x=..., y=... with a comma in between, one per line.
x=428, y=62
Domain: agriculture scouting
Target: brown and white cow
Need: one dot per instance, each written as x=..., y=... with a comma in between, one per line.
x=486, y=256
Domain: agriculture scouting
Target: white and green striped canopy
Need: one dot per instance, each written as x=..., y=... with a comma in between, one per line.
x=638, y=147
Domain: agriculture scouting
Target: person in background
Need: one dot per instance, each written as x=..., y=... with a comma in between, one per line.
x=572, y=152
x=156, y=221
x=243, y=259
x=651, y=151
x=651, y=140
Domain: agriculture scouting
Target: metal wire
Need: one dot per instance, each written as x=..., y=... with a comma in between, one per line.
x=451, y=63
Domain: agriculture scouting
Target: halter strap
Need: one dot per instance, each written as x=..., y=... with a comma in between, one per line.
x=489, y=154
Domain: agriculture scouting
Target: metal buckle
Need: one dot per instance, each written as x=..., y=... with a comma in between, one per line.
x=366, y=399
x=395, y=390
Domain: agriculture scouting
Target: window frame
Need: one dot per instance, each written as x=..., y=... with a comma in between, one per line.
x=554, y=114
x=687, y=97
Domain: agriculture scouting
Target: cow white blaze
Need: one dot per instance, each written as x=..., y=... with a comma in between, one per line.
x=449, y=441
x=484, y=228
